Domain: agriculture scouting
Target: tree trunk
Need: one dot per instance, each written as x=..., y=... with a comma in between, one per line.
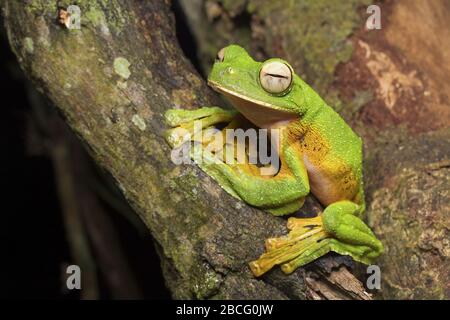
x=113, y=79
x=393, y=86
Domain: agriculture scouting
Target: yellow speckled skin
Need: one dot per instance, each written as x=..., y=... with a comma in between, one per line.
x=318, y=153
x=332, y=153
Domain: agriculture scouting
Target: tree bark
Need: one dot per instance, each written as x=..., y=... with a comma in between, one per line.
x=113, y=79
x=392, y=85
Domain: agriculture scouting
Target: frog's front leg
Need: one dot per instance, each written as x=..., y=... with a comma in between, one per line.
x=184, y=122
x=337, y=229
x=280, y=194
x=284, y=193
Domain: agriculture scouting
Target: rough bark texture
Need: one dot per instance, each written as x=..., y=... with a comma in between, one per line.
x=113, y=79
x=392, y=86
x=409, y=211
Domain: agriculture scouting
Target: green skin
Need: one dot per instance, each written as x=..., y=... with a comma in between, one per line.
x=318, y=151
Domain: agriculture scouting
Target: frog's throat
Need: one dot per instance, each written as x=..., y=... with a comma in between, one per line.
x=260, y=113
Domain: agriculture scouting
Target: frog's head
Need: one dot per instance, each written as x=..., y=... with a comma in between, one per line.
x=267, y=93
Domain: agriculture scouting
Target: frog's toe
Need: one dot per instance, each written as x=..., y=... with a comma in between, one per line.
x=176, y=137
x=282, y=251
x=177, y=117
x=299, y=229
x=304, y=223
x=193, y=125
x=310, y=253
x=298, y=248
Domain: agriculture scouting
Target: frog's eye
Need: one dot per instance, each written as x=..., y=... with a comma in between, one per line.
x=275, y=77
x=220, y=55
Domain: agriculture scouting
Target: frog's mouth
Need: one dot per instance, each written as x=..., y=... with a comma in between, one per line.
x=260, y=113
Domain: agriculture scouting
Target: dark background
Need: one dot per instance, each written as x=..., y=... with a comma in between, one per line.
x=37, y=250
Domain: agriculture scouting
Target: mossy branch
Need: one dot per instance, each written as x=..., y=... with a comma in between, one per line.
x=112, y=80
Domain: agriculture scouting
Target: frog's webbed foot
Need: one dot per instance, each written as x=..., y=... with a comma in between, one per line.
x=187, y=124
x=202, y=125
x=337, y=229
x=219, y=155
x=303, y=241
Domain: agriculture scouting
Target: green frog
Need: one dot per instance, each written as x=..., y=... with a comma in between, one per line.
x=318, y=153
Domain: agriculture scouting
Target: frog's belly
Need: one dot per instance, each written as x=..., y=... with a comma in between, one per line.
x=327, y=184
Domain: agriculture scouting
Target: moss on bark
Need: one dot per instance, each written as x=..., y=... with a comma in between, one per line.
x=112, y=80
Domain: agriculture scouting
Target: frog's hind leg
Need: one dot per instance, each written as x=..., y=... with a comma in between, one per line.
x=337, y=229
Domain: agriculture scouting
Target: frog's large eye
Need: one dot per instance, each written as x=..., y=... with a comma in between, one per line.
x=220, y=55
x=275, y=77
